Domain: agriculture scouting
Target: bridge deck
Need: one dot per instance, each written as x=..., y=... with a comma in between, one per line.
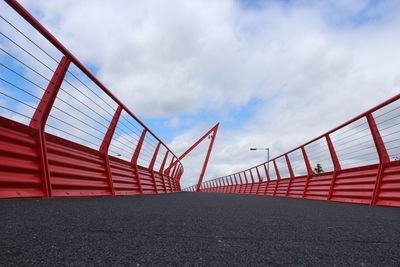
x=196, y=229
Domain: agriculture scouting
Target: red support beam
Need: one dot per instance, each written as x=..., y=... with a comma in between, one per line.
x=259, y=180
x=168, y=177
x=135, y=158
x=336, y=164
x=382, y=153
x=268, y=178
x=40, y=117
x=309, y=170
x=151, y=166
x=278, y=176
x=291, y=173
x=105, y=145
x=161, y=171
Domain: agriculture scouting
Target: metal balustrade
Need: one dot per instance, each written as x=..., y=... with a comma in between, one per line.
x=62, y=132
x=358, y=161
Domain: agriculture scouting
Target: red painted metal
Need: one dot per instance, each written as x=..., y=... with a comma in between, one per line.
x=383, y=156
x=374, y=184
x=212, y=131
x=105, y=145
x=151, y=166
x=52, y=166
x=40, y=117
x=290, y=173
x=336, y=165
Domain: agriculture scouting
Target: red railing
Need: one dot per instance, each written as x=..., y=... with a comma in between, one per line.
x=62, y=132
x=357, y=161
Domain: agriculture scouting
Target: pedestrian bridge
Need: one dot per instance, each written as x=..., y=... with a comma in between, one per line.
x=65, y=136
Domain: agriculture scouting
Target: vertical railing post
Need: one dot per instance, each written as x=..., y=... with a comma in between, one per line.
x=105, y=145
x=383, y=156
x=167, y=174
x=241, y=183
x=39, y=120
x=278, y=177
x=232, y=184
x=268, y=178
x=151, y=166
x=291, y=173
x=135, y=158
x=259, y=180
x=176, y=186
x=336, y=165
x=309, y=171
x=161, y=170
x=252, y=181
x=236, y=183
x=247, y=182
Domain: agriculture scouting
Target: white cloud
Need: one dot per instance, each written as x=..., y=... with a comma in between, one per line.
x=311, y=64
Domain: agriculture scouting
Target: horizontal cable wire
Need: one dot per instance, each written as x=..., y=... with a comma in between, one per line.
x=387, y=112
x=27, y=52
x=78, y=137
x=350, y=135
x=30, y=40
x=24, y=64
x=23, y=77
x=19, y=88
x=16, y=112
x=348, y=130
x=17, y=100
x=76, y=128
x=81, y=121
x=106, y=119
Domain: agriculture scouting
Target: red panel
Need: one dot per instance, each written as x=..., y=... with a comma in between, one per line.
x=297, y=187
x=318, y=187
x=355, y=185
x=124, y=177
x=389, y=191
x=75, y=170
x=19, y=164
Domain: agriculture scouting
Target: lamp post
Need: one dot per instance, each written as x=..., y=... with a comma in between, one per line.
x=263, y=148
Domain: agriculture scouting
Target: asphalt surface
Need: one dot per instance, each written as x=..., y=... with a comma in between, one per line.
x=196, y=229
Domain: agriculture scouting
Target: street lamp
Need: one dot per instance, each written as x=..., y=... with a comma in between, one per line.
x=262, y=148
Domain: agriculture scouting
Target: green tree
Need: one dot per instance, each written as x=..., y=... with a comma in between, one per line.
x=318, y=168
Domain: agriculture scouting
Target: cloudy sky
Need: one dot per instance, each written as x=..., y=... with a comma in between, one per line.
x=273, y=73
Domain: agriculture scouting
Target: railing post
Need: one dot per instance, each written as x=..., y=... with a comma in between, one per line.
x=268, y=178
x=241, y=183
x=278, y=177
x=309, y=170
x=259, y=180
x=173, y=177
x=291, y=173
x=168, y=177
x=383, y=156
x=135, y=158
x=247, y=182
x=336, y=165
x=151, y=166
x=232, y=184
x=236, y=183
x=40, y=117
x=105, y=145
x=161, y=170
x=224, y=185
x=252, y=181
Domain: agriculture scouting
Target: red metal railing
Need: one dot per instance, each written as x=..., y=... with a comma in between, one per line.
x=62, y=132
x=358, y=161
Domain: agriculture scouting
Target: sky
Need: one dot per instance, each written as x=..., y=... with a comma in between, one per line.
x=272, y=73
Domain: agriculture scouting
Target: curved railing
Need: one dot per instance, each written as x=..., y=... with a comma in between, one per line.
x=62, y=132
x=358, y=161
